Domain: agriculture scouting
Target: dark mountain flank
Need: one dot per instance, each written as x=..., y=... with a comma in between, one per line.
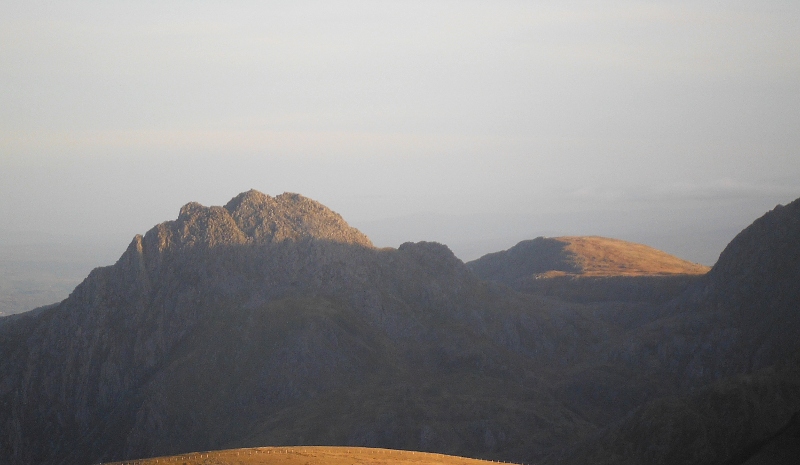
x=270, y=322
x=732, y=338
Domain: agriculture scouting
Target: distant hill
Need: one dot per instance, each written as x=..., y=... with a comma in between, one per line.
x=579, y=256
x=271, y=322
x=589, y=269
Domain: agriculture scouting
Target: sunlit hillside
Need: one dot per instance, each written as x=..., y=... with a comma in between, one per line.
x=310, y=455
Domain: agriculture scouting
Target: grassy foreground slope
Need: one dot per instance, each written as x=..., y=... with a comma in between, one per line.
x=309, y=455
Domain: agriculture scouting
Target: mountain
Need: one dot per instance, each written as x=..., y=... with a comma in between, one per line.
x=243, y=326
x=270, y=321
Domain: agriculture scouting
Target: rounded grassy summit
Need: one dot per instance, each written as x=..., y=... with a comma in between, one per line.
x=580, y=256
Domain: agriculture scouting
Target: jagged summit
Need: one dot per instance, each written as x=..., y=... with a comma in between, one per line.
x=254, y=218
x=289, y=217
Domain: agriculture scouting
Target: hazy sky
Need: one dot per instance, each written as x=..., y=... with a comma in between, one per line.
x=476, y=124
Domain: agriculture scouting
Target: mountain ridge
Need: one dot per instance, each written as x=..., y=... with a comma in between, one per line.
x=209, y=334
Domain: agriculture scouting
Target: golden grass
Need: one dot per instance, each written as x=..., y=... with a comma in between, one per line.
x=601, y=256
x=307, y=455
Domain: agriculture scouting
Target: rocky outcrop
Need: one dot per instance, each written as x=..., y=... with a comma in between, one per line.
x=264, y=219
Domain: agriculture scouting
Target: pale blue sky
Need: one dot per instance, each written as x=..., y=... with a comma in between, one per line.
x=476, y=124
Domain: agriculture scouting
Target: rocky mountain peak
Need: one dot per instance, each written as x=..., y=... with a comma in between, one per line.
x=190, y=209
x=289, y=216
x=253, y=218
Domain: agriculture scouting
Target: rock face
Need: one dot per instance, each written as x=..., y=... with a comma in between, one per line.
x=253, y=218
x=270, y=321
x=264, y=219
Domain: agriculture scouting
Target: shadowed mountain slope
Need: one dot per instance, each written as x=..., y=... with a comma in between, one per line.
x=270, y=321
x=732, y=337
x=743, y=419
